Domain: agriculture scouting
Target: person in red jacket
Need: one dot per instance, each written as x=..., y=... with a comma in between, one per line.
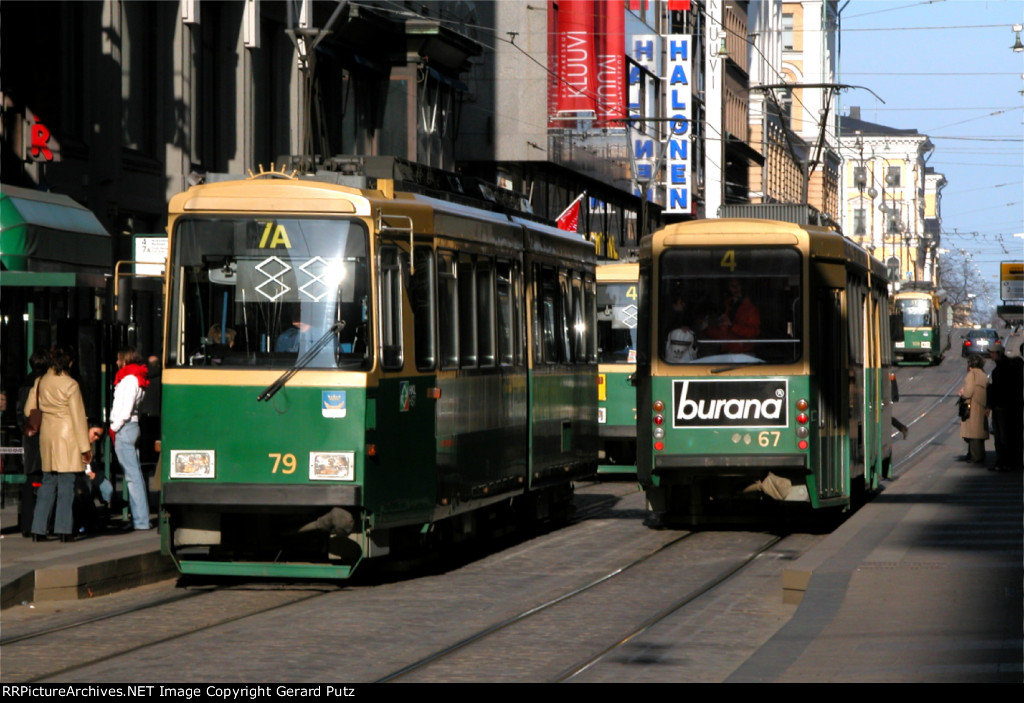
x=740, y=319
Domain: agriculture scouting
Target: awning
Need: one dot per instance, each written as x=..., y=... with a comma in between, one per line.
x=50, y=232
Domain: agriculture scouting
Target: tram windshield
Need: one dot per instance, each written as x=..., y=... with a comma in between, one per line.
x=261, y=291
x=616, y=323
x=917, y=312
x=730, y=305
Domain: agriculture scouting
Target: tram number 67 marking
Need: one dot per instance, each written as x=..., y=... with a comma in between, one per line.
x=288, y=460
x=768, y=439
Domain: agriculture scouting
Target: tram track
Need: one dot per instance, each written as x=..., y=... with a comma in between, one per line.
x=513, y=634
x=38, y=656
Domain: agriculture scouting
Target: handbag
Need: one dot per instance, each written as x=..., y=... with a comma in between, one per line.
x=963, y=408
x=35, y=416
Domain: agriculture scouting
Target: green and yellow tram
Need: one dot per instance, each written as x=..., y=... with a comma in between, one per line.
x=618, y=313
x=924, y=313
x=351, y=373
x=763, y=368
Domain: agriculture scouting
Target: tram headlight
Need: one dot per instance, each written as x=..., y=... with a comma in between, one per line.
x=803, y=432
x=658, y=406
x=193, y=463
x=659, y=433
x=802, y=405
x=802, y=418
x=659, y=420
x=332, y=466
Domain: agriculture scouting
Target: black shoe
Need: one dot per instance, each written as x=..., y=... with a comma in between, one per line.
x=39, y=538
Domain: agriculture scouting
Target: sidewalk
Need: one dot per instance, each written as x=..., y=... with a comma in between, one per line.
x=95, y=564
x=923, y=584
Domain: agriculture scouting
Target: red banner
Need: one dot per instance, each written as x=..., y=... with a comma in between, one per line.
x=576, y=70
x=610, y=23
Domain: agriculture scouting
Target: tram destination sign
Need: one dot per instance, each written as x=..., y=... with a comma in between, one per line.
x=728, y=403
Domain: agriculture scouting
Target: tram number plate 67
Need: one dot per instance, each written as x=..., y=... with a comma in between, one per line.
x=288, y=460
x=768, y=439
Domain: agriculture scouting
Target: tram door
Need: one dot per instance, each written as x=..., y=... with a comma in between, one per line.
x=832, y=402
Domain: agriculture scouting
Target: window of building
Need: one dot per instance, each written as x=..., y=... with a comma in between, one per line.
x=860, y=221
x=892, y=176
x=787, y=31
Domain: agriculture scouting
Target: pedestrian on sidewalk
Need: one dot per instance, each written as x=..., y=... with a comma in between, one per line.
x=1006, y=398
x=129, y=389
x=974, y=430
x=64, y=447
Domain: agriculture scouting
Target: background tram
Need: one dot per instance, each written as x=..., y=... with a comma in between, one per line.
x=352, y=373
x=925, y=317
x=618, y=313
x=763, y=367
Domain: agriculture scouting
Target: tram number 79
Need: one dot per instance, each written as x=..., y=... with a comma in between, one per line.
x=288, y=460
x=768, y=439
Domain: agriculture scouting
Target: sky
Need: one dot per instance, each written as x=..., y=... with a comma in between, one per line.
x=947, y=69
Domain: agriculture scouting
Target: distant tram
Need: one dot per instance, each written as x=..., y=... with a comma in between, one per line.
x=763, y=368
x=925, y=317
x=354, y=373
x=618, y=315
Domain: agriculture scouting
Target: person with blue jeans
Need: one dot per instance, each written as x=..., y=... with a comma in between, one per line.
x=129, y=390
x=64, y=447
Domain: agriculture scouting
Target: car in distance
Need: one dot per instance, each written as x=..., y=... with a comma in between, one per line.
x=978, y=341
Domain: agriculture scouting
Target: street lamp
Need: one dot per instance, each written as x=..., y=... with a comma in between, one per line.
x=1017, y=46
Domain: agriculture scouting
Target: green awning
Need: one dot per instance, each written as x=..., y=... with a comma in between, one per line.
x=50, y=232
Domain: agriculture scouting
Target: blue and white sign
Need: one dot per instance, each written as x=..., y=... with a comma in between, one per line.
x=332, y=404
x=678, y=110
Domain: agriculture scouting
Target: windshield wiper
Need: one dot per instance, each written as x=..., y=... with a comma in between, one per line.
x=302, y=361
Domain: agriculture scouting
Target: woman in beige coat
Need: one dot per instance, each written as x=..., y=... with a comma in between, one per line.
x=974, y=430
x=64, y=446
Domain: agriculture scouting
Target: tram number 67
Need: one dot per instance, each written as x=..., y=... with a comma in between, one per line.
x=287, y=459
x=768, y=439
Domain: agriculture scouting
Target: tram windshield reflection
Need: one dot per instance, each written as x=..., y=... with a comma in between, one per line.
x=730, y=305
x=260, y=292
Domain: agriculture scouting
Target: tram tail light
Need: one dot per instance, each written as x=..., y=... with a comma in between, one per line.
x=658, y=420
x=371, y=450
x=802, y=431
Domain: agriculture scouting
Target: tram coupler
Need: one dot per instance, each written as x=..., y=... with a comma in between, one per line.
x=337, y=521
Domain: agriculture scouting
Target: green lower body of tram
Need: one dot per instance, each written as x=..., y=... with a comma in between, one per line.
x=616, y=424
x=314, y=481
x=920, y=347
x=717, y=462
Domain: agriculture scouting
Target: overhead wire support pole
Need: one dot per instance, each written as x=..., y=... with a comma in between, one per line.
x=809, y=165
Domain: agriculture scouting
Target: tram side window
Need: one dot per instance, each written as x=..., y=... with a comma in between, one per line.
x=504, y=315
x=547, y=297
x=579, y=327
x=590, y=313
x=518, y=314
x=390, y=308
x=564, y=320
x=448, y=310
x=856, y=297
x=467, y=314
x=485, y=310
x=423, y=301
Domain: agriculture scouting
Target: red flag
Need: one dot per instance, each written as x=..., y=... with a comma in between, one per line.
x=570, y=217
x=678, y=5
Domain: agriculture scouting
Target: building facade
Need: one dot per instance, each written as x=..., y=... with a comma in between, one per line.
x=887, y=189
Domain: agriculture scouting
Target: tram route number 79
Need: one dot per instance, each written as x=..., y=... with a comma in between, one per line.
x=288, y=460
x=768, y=439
